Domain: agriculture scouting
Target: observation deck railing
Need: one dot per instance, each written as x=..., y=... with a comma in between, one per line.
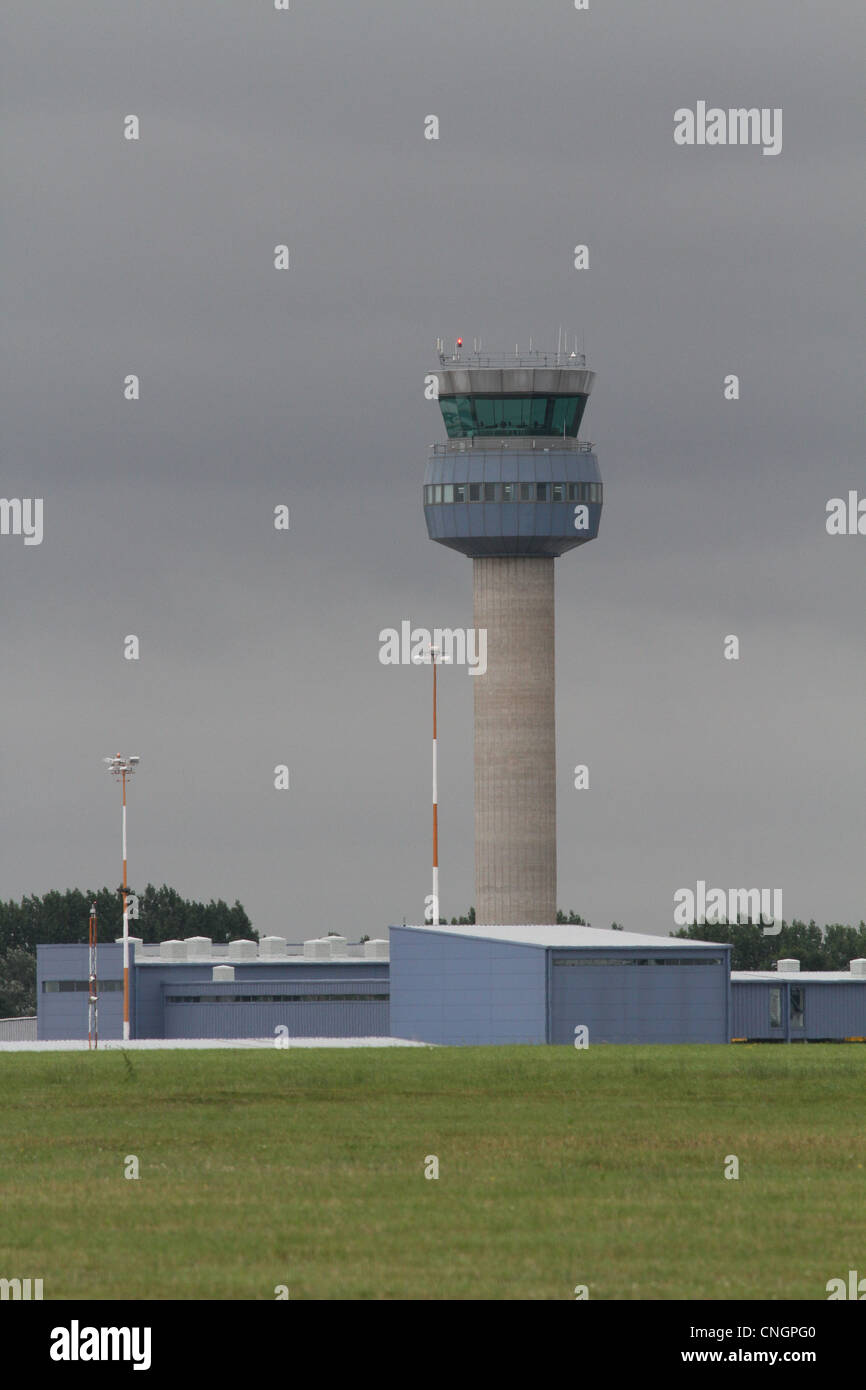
x=541, y=443
x=513, y=359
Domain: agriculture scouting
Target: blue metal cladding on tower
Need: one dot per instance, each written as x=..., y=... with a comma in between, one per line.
x=504, y=483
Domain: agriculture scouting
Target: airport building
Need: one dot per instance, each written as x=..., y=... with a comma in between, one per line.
x=452, y=985
x=790, y=1005
x=195, y=989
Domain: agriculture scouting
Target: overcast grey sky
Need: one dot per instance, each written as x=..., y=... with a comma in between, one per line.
x=306, y=387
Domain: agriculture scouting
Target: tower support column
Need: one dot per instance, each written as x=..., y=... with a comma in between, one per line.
x=515, y=742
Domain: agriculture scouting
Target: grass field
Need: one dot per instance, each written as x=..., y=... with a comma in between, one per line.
x=557, y=1167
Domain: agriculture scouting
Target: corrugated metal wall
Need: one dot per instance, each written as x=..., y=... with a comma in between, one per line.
x=832, y=1010
x=640, y=997
x=318, y=1006
x=751, y=1011
x=835, y=1011
x=463, y=990
x=18, y=1029
x=63, y=1015
x=151, y=978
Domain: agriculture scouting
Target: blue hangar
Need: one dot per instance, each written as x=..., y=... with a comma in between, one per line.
x=539, y=984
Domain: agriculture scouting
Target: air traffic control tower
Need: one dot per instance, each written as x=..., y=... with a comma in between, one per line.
x=514, y=488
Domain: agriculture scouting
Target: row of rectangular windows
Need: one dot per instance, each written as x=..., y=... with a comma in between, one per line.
x=512, y=492
x=274, y=998
x=78, y=986
x=657, y=960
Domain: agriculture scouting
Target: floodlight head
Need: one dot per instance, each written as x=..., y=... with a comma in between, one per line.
x=118, y=765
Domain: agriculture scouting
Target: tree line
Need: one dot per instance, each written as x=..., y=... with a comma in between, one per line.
x=831, y=947
x=60, y=918
x=570, y=918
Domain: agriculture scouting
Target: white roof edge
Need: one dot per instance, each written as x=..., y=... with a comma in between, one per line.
x=266, y=962
x=797, y=976
x=565, y=935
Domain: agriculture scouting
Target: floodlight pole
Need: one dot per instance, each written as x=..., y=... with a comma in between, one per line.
x=125, y=922
x=435, y=913
x=436, y=656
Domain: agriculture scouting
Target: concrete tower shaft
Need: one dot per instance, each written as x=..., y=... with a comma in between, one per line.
x=515, y=745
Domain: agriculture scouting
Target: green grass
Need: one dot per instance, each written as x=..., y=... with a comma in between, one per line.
x=558, y=1167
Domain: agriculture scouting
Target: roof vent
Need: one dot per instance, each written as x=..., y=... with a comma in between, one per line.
x=789, y=966
x=172, y=950
x=223, y=972
x=198, y=947
x=242, y=949
x=133, y=940
x=338, y=945
x=271, y=946
x=317, y=949
x=858, y=966
x=377, y=949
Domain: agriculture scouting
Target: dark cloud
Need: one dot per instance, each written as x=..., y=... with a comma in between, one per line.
x=257, y=388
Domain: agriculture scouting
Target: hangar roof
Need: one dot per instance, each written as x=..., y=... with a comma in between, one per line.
x=560, y=935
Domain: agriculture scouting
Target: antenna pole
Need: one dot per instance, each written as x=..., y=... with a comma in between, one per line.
x=123, y=768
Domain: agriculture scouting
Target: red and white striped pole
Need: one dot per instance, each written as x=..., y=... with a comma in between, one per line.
x=125, y=922
x=435, y=914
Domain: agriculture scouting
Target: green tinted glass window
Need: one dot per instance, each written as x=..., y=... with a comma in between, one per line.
x=466, y=416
